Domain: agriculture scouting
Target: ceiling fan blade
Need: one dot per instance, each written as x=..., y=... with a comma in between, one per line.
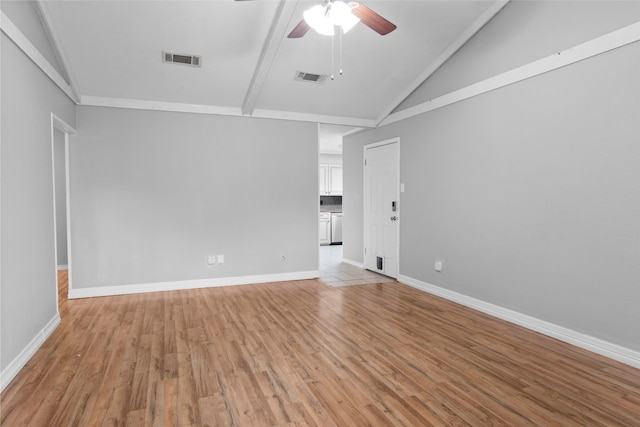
x=371, y=19
x=299, y=30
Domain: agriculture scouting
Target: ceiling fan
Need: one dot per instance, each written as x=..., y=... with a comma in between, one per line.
x=332, y=13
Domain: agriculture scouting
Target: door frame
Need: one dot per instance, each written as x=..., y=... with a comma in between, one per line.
x=64, y=127
x=390, y=141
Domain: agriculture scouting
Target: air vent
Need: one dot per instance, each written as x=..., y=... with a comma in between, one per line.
x=181, y=59
x=310, y=77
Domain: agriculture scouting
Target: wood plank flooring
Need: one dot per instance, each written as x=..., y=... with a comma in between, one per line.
x=303, y=353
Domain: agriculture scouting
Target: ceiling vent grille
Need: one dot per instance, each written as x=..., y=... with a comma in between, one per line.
x=310, y=77
x=175, y=58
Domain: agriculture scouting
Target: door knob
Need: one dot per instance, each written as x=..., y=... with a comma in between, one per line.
x=394, y=218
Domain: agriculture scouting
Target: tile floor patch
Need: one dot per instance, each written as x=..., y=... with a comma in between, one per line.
x=334, y=272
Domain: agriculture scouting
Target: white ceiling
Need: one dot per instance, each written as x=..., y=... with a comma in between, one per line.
x=112, y=50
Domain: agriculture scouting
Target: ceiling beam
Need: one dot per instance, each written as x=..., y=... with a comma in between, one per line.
x=444, y=57
x=32, y=52
x=140, y=104
x=599, y=45
x=56, y=44
x=318, y=118
x=277, y=31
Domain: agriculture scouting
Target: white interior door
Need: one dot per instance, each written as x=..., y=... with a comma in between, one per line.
x=381, y=207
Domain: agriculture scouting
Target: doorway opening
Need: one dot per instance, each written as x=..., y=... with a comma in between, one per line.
x=330, y=183
x=60, y=132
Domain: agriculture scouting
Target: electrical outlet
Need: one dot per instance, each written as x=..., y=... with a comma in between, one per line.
x=211, y=259
x=220, y=259
x=439, y=265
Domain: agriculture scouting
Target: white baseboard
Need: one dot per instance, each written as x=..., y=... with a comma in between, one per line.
x=63, y=267
x=189, y=284
x=587, y=342
x=357, y=264
x=9, y=373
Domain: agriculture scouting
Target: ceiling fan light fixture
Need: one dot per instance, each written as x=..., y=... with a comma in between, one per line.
x=323, y=19
x=317, y=19
x=349, y=22
x=340, y=15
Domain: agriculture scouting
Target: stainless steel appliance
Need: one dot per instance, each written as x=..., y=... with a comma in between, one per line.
x=336, y=227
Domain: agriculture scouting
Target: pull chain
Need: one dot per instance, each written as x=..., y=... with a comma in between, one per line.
x=339, y=53
x=332, y=78
x=341, y=31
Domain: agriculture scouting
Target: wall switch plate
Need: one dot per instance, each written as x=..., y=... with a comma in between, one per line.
x=220, y=259
x=211, y=259
x=439, y=265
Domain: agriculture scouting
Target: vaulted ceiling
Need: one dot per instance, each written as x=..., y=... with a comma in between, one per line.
x=113, y=54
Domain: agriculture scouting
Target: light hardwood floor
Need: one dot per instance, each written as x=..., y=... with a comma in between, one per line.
x=304, y=353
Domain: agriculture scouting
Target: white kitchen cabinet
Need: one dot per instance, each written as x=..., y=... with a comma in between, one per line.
x=325, y=228
x=330, y=180
x=324, y=179
x=335, y=180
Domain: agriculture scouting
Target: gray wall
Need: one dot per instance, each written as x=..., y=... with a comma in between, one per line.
x=530, y=193
x=154, y=193
x=28, y=275
x=60, y=195
x=352, y=201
